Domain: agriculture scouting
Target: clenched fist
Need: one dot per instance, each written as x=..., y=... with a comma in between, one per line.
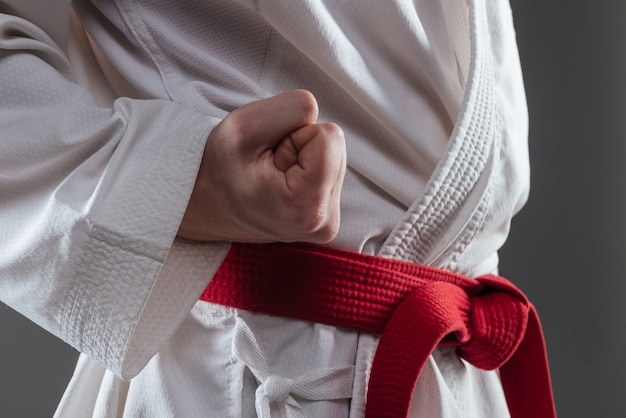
x=269, y=173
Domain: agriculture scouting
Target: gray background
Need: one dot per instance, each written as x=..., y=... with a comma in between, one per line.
x=567, y=246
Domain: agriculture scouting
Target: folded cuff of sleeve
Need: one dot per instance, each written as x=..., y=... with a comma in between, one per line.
x=126, y=299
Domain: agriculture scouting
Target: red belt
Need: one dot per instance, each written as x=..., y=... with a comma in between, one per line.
x=413, y=307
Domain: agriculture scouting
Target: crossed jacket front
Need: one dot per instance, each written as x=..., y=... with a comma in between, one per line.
x=96, y=171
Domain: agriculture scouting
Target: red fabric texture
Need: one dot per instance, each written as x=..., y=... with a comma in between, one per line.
x=413, y=307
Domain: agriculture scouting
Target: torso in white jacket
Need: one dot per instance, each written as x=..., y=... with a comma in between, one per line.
x=431, y=100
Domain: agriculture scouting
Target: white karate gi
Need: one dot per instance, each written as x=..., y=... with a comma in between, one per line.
x=431, y=100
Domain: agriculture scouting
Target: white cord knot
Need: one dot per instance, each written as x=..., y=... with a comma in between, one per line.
x=315, y=385
x=277, y=388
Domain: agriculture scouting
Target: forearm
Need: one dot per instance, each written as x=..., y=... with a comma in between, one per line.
x=91, y=198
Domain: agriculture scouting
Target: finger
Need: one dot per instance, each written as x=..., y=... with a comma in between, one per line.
x=332, y=223
x=285, y=154
x=265, y=123
x=334, y=207
x=321, y=152
x=314, y=183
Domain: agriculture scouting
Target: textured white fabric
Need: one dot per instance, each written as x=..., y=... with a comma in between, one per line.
x=91, y=201
x=315, y=385
x=430, y=97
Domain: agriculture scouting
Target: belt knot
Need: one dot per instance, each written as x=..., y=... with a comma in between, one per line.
x=498, y=320
x=486, y=319
x=277, y=388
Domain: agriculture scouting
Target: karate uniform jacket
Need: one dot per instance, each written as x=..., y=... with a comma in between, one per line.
x=104, y=113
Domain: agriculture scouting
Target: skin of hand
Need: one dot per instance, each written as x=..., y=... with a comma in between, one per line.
x=269, y=173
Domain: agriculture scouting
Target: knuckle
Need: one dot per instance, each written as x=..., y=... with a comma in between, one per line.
x=331, y=129
x=333, y=136
x=305, y=215
x=328, y=233
x=312, y=218
x=318, y=224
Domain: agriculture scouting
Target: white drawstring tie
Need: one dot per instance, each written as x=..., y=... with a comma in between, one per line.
x=315, y=385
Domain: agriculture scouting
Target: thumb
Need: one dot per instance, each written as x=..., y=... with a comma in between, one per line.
x=265, y=123
x=320, y=155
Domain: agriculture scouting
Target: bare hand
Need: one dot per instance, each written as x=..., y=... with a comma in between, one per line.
x=269, y=173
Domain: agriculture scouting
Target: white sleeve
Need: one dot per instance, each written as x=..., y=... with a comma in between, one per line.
x=91, y=199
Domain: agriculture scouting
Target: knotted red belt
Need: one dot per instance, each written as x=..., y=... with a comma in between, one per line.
x=413, y=307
